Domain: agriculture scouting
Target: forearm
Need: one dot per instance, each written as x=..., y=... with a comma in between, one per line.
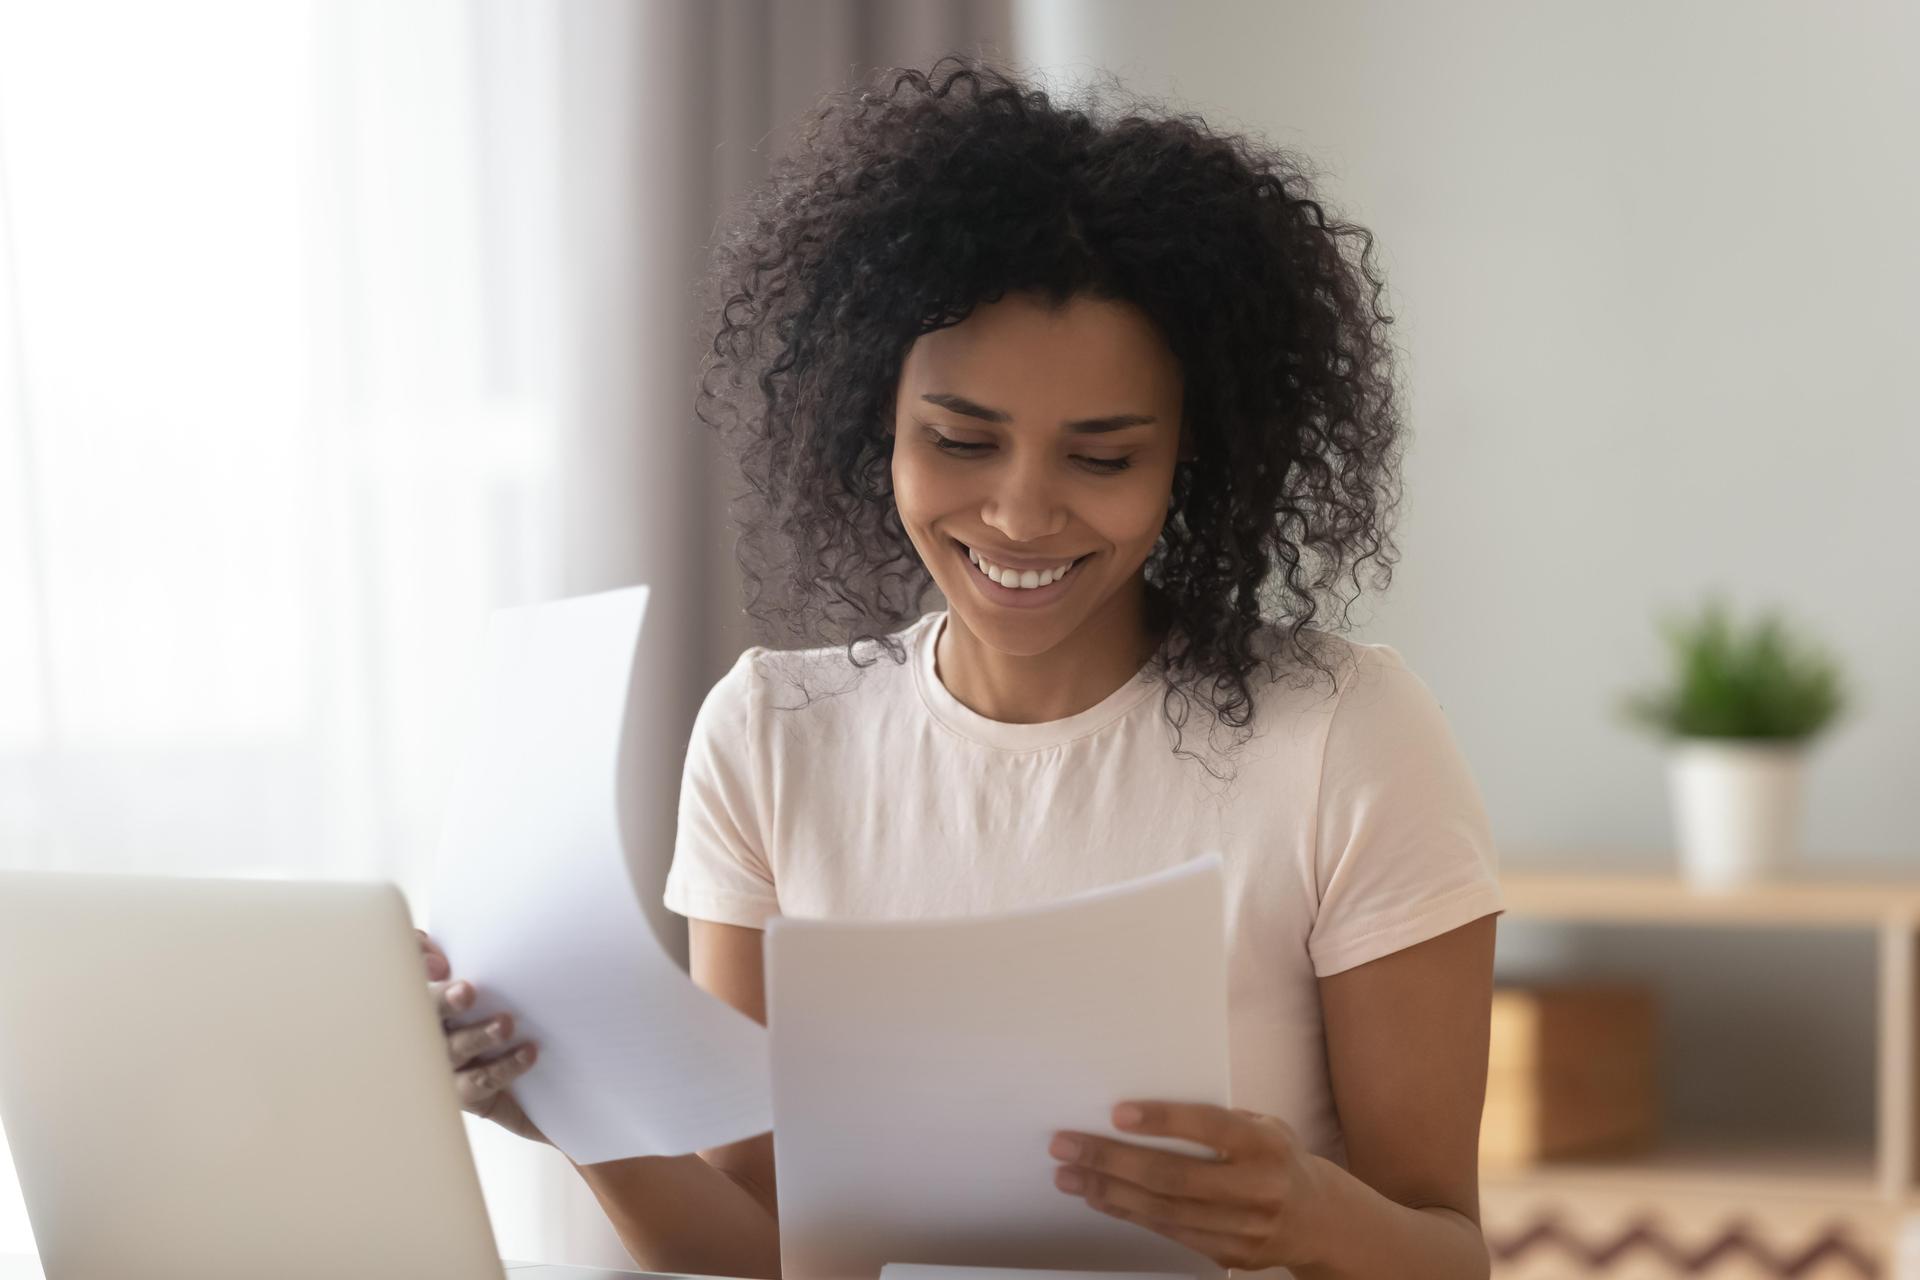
x=680, y=1214
x=1369, y=1237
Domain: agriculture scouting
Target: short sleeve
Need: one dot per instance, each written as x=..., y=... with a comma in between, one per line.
x=720, y=867
x=1403, y=848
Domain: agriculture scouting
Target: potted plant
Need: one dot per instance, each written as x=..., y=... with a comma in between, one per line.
x=1743, y=705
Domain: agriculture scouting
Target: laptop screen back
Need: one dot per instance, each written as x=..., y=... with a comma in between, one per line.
x=213, y=1078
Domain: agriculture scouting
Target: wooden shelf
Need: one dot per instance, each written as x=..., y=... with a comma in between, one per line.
x=1665, y=899
x=1879, y=1180
x=1750, y=1173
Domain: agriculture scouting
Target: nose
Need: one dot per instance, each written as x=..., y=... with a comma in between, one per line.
x=1023, y=507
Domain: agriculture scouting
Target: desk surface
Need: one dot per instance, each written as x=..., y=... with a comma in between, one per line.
x=18, y=1267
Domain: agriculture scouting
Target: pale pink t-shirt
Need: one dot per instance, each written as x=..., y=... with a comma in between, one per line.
x=1351, y=829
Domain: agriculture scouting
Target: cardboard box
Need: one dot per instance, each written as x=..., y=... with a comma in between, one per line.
x=1571, y=1073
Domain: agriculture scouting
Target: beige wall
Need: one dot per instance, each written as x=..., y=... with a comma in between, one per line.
x=1656, y=267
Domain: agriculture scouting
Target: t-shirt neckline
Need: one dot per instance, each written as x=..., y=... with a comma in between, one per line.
x=968, y=723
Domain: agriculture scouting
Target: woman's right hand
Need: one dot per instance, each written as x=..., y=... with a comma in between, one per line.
x=485, y=1059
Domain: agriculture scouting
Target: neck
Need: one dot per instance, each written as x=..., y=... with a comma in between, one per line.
x=1103, y=653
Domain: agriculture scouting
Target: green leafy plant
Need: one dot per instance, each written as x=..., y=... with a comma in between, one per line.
x=1735, y=682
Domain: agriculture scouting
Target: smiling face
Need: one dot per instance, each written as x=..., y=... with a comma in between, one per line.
x=1033, y=457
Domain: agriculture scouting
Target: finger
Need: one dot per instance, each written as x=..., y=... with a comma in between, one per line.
x=1236, y=1252
x=469, y=1043
x=1227, y=1131
x=451, y=998
x=437, y=966
x=478, y=1085
x=1136, y=1203
x=1171, y=1173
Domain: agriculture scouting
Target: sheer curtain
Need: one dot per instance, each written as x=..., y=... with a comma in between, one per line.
x=285, y=410
x=324, y=329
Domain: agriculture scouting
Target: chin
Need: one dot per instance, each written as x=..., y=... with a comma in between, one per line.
x=1017, y=632
x=1017, y=637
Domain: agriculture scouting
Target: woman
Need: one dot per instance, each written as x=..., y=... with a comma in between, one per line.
x=1113, y=387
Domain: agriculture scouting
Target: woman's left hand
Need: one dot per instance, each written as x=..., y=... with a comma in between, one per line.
x=1257, y=1207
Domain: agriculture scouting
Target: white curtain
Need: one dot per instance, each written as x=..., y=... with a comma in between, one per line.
x=286, y=406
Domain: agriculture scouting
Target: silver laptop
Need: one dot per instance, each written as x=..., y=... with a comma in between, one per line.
x=228, y=1079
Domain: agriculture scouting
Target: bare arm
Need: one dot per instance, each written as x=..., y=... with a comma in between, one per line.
x=712, y=1213
x=1407, y=1051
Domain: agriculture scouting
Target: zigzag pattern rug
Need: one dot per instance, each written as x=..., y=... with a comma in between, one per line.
x=1549, y=1247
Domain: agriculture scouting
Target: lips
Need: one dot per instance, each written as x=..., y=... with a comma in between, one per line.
x=1022, y=578
x=1006, y=585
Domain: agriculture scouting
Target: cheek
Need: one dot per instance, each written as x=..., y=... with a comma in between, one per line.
x=1130, y=513
x=908, y=488
x=922, y=492
x=916, y=497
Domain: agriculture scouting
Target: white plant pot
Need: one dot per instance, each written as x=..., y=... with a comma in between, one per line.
x=1736, y=808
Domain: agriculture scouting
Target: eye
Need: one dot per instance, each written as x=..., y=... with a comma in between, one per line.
x=947, y=444
x=975, y=448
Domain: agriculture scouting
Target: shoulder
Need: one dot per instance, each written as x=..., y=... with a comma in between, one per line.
x=766, y=686
x=1378, y=680
x=1384, y=723
x=1312, y=671
x=1332, y=695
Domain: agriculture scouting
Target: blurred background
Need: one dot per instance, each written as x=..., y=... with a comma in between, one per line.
x=326, y=328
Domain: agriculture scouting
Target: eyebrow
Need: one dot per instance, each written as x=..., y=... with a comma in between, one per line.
x=1090, y=426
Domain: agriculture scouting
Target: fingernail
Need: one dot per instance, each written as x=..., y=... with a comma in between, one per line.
x=459, y=993
x=1069, y=1180
x=498, y=1029
x=1065, y=1149
x=1126, y=1115
x=524, y=1056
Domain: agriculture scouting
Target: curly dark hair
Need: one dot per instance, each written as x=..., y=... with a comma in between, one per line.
x=905, y=203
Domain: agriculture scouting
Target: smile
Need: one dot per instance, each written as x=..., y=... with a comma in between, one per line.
x=1006, y=585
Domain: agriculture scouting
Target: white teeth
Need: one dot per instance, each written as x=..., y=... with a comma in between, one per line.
x=1024, y=580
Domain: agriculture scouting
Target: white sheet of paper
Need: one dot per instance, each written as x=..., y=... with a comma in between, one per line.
x=921, y=1067
x=534, y=903
x=909, y=1271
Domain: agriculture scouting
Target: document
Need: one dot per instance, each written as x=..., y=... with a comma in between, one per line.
x=533, y=901
x=921, y=1067
x=899, y=1271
